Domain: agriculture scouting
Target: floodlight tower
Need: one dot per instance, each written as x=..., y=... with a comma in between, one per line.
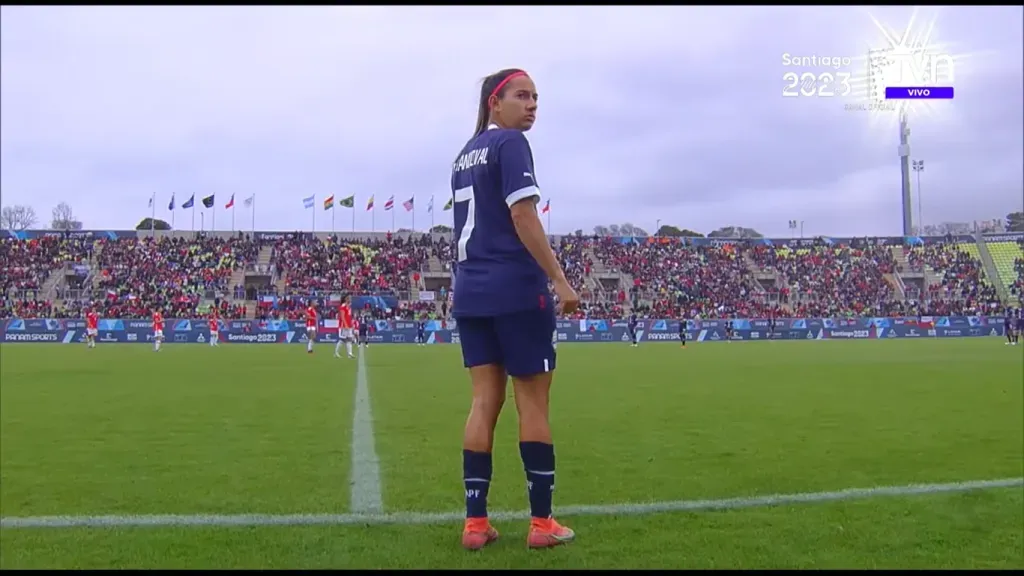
x=904, y=151
x=885, y=70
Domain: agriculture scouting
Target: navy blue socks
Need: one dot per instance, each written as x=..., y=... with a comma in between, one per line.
x=476, y=475
x=539, y=463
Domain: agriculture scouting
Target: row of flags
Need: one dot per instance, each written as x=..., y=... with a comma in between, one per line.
x=207, y=202
x=329, y=203
x=350, y=202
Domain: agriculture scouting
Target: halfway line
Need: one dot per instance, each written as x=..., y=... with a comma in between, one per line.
x=365, y=481
x=452, y=517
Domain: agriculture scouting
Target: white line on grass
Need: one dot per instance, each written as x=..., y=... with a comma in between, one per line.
x=366, y=491
x=452, y=517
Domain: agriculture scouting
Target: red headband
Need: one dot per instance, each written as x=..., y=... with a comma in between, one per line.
x=505, y=81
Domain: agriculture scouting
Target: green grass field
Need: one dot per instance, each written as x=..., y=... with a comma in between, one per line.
x=247, y=429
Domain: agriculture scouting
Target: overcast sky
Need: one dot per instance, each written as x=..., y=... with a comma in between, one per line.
x=647, y=113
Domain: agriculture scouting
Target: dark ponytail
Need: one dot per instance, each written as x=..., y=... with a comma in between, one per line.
x=488, y=85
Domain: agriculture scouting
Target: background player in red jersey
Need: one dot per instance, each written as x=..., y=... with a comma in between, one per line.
x=345, y=328
x=214, y=326
x=310, y=326
x=158, y=330
x=92, y=327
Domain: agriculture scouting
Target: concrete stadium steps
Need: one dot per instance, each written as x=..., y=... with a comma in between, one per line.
x=94, y=265
x=414, y=286
x=897, y=286
x=237, y=279
x=56, y=277
x=901, y=257
x=263, y=259
x=760, y=274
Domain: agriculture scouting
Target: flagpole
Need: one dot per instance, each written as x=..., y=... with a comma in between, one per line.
x=414, y=217
x=193, y=212
x=332, y=217
x=254, y=213
x=431, y=211
x=152, y=218
x=353, y=215
x=232, y=213
x=373, y=221
x=313, y=208
x=172, y=215
x=392, y=217
x=213, y=219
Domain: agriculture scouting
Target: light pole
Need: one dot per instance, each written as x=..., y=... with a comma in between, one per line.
x=918, y=166
x=795, y=224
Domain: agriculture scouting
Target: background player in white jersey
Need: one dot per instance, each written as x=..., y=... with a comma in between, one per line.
x=311, y=322
x=158, y=330
x=345, y=328
x=214, y=326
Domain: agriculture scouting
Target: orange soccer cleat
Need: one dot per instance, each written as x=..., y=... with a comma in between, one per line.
x=545, y=533
x=478, y=533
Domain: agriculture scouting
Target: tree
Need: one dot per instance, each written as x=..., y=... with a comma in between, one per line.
x=578, y=232
x=63, y=219
x=441, y=229
x=735, y=232
x=624, y=229
x=1015, y=222
x=148, y=223
x=667, y=230
x=17, y=218
x=627, y=229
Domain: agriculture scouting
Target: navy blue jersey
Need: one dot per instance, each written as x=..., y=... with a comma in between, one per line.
x=364, y=325
x=632, y=322
x=494, y=272
x=421, y=326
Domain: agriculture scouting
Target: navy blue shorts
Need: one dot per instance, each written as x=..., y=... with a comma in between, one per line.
x=522, y=342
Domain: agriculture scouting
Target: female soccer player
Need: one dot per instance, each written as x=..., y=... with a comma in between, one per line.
x=505, y=313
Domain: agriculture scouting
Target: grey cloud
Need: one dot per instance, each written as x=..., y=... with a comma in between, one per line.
x=646, y=113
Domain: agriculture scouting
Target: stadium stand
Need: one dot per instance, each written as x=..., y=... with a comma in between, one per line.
x=1008, y=257
x=954, y=277
x=172, y=274
x=832, y=280
x=275, y=275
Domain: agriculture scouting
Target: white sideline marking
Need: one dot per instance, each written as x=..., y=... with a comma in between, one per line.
x=453, y=517
x=366, y=490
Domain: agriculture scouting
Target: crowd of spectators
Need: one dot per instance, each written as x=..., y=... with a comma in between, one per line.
x=961, y=277
x=671, y=278
x=136, y=276
x=130, y=278
x=831, y=281
x=26, y=264
x=386, y=266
